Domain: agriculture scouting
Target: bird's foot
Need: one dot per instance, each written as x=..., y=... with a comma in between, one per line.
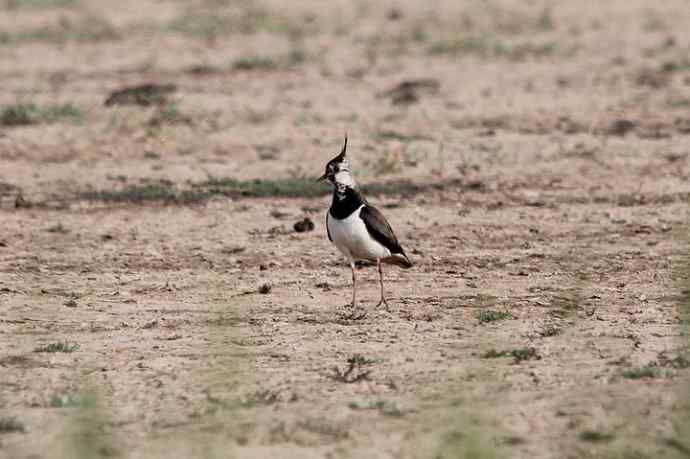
x=384, y=303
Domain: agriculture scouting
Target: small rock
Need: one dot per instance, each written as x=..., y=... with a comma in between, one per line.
x=265, y=288
x=203, y=70
x=150, y=324
x=394, y=14
x=143, y=95
x=324, y=285
x=70, y=303
x=682, y=124
x=277, y=230
x=267, y=152
x=20, y=202
x=620, y=127
x=279, y=214
x=406, y=97
x=408, y=91
x=231, y=250
x=673, y=157
x=304, y=225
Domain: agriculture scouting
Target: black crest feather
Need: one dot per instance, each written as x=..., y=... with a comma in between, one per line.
x=341, y=156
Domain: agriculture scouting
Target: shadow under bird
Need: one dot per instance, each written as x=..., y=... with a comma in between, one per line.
x=356, y=228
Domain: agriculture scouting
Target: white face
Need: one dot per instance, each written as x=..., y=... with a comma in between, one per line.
x=342, y=175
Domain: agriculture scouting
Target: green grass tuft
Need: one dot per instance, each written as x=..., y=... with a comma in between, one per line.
x=18, y=114
x=58, y=347
x=167, y=115
x=678, y=445
x=679, y=103
x=85, y=29
x=594, y=436
x=269, y=63
x=494, y=354
x=359, y=359
x=488, y=47
x=545, y=21
x=675, y=65
x=490, y=315
x=550, y=330
x=518, y=354
x=289, y=187
x=147, y=192
x=385, y=407
x=524, y=353
x=72, y=400
x=59, y=112
x=57, y=228
x=263, y=63
x=22, y=114
x=387, y=134
x=647, y=371
x=679, y=362
x=296, y=187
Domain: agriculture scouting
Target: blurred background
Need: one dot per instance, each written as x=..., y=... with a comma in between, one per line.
x=254, y=88
x=156, y=294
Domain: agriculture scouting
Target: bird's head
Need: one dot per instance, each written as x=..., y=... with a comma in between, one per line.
x=338, y=169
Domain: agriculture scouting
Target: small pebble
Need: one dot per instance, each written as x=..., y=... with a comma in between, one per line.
x=303, y=226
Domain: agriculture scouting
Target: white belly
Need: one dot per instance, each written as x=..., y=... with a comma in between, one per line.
x=351, y=237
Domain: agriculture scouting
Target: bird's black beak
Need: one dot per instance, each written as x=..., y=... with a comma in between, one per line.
x=322, y=178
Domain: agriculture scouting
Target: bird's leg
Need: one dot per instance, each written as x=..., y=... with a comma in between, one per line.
x=354, y=284
x=383, y=297
x=354, y=314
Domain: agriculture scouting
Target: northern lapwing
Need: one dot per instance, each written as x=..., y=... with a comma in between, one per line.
x=356, y=227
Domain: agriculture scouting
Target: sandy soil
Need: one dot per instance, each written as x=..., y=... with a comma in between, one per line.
x=543, y=184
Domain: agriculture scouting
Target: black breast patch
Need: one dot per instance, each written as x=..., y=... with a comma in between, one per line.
x=343, y=206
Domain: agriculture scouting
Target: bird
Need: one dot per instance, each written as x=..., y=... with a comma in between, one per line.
x=358, y=229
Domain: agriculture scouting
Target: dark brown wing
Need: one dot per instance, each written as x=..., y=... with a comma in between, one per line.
x=378, y=227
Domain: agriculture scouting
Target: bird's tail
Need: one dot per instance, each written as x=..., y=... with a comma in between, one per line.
x=399, y=259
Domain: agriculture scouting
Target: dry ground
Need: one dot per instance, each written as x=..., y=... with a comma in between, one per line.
x=541, y=190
